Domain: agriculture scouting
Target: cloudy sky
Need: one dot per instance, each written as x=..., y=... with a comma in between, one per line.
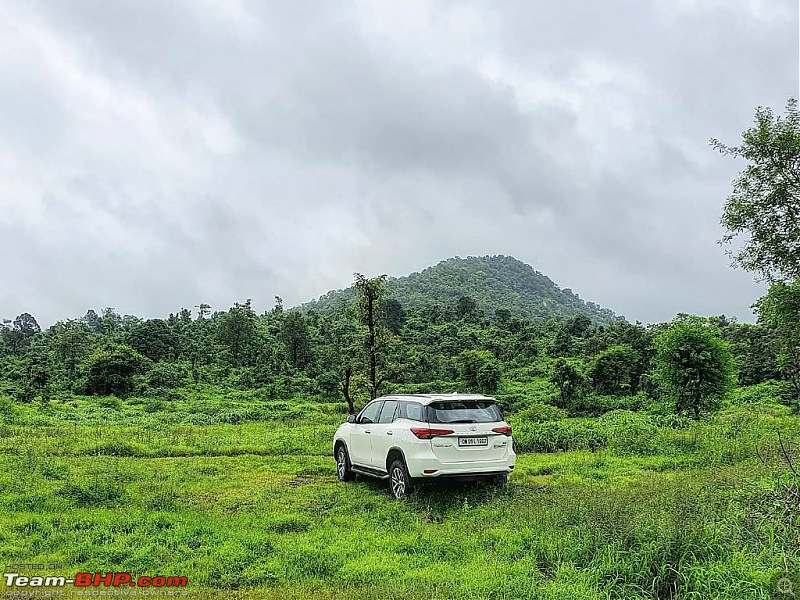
x=159, y=154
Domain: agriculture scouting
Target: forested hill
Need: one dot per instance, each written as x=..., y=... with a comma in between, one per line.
x=493, y=282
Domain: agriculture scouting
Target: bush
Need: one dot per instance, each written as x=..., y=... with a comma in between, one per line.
x=568, y=376
x=8, y=411
x=672, y=421
x=98, y=493
x=109, y=402
x=761, y=393
x=516, y=396
x=540, y=413
x=693, y=366
x=613, y=371
x=630, y=432
x=110, y=371
x=166, y=376
x=155, y=405
x=596, y=405
x=479, y=369
x=557, y=436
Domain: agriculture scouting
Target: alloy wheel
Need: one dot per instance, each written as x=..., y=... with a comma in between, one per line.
x=398, y=483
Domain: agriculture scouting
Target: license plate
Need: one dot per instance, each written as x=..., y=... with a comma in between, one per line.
x=473, y=441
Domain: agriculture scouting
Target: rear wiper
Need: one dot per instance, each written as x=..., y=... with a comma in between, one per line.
x=463, y=421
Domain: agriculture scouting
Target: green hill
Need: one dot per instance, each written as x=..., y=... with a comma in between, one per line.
x=494, y=282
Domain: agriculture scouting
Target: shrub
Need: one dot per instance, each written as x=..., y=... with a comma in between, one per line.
x=109, y=402
x=110, y=370
x=693, y=366
x=540, y=413
x=479, y=369
x=761, y=393
x=595, y=405
x=154, y=405
x=630, y=432
x=672, y=421
x=554, y=436
x=165, y=376
x=88, y=495
x=571, y=381
x=8, y=411
x=515, y=396
x=613, y=371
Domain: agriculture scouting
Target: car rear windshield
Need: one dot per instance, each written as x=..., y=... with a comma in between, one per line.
x=472, y=411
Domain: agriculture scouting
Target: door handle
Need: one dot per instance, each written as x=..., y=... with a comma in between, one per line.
x=367, y=431
x=389, y=433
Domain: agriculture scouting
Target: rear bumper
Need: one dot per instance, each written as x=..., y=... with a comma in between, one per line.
x=429, y=467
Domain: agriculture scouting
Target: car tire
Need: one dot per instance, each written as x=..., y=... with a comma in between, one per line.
x=400, y=484
x=343, y=468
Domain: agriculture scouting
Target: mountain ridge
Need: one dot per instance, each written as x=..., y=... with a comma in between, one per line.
x=493, y=281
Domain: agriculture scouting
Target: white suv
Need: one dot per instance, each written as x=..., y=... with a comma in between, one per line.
x=410, y=438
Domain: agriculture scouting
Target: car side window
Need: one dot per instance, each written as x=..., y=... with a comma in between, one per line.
x=388, y=412
x=412, y=411
x=370, y=413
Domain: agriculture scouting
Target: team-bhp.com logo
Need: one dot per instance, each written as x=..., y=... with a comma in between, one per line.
x=93, y=580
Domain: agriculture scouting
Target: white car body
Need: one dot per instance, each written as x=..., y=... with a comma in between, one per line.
x=453, y=449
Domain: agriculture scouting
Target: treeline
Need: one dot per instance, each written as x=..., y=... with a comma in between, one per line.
x=374, y=345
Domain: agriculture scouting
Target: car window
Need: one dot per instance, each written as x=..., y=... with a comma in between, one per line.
x=412, y=411
x=387, y=414
x=370, y=413
x=470, y=411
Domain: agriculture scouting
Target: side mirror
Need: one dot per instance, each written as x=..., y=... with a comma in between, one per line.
x=351, y=418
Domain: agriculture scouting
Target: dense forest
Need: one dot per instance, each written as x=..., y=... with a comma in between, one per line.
x=468, y=341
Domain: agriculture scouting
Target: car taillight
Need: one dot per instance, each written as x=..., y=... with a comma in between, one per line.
x=426, y=433
x=505, y=430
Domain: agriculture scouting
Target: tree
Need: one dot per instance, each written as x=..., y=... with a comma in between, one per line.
x=295, y=337
x=502, y=316
x=764, y=204
x=93, y=321
x=203, y=310
x=393, y=314
x=70, y=341
x=27, y=325
x=755, y=350
x=39, y=371
x=112, y=321
x=19, y=335
x=110, y=370
x=340, y=348
x=566, y=339
x=614, y=371
x=479, y=369
x=153, y=338
x=693, y=365
x=236, y=331
x=577, y=326
x=466, y=307
x=779, y=311
x=570, y=381
x=370, y=293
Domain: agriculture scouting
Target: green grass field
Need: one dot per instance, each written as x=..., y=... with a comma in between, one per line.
x=243, y=500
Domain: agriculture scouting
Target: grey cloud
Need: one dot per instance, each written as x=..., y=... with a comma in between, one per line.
x=163, y=154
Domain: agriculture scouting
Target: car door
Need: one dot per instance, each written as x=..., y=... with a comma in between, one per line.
x=383, y=435
x=361, y=438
